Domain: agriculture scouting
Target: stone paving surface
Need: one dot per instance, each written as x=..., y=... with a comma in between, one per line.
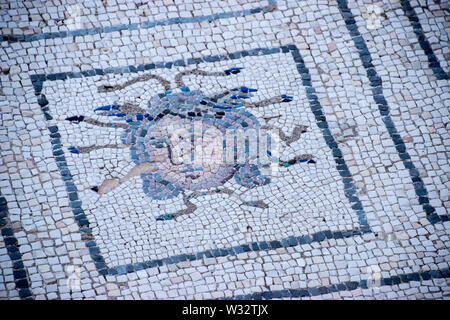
x=348, y=198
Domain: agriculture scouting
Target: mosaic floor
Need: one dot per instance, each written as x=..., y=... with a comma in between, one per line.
x=224, y=149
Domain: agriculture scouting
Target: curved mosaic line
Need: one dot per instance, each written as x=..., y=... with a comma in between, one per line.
x=380, y=100
x=12, y=246
x=433, y=62
x=345, y=286
x=272, y=4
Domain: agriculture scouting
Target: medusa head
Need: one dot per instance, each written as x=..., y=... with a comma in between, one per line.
x=181, y=142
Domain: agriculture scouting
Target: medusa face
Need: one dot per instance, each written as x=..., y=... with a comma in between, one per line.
x=183, y=138
x=180, y=142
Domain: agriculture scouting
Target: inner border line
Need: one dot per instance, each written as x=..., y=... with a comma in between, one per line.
x=271, y=5
x=316, y=108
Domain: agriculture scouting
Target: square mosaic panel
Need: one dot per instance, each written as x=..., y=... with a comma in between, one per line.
x=133, y=218
x=97, y=181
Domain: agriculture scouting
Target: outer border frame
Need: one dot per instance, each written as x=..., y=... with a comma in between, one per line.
x=316, y=108
x=419, y=187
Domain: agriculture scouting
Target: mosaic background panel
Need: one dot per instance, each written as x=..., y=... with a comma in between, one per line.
x=110, y=225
